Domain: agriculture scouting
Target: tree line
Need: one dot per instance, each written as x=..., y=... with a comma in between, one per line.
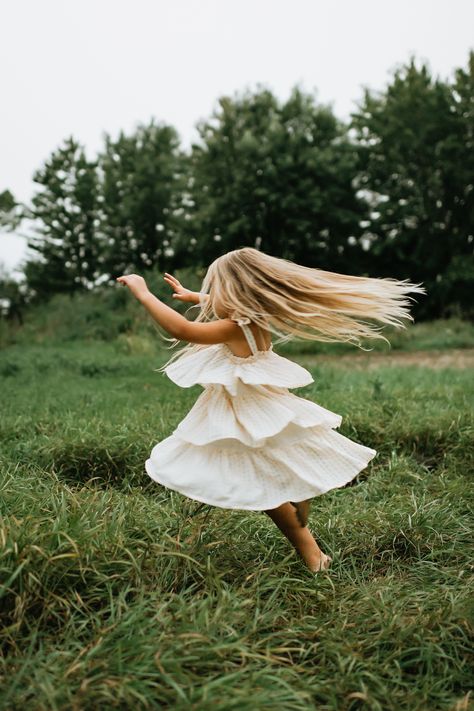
x=388, y=193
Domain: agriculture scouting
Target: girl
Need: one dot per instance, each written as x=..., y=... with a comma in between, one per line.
x=248, y=443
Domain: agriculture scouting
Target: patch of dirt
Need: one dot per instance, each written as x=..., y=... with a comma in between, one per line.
x=436, y=359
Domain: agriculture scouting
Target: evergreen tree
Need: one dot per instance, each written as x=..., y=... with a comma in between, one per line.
x=11, y=212
x=64, y=212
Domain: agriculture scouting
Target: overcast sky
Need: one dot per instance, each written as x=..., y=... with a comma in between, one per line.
x=85, y=67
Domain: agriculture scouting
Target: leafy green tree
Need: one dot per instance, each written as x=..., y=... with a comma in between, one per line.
x=141, y=179
x=417, y=178
x=278, y=177
x=456, y=285
x=64, y=214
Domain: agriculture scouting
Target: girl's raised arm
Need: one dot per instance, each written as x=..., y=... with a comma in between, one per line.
x=174, y=323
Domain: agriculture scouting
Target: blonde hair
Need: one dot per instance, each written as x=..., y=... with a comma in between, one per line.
x=292, y=300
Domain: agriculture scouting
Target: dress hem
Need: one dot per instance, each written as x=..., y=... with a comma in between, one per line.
x=201, y=500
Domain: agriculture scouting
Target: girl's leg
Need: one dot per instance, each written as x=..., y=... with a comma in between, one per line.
x=291, y=520
x=302, y=510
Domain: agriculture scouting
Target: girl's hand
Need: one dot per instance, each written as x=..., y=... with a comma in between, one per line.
x=180, y=292
x=136, y=284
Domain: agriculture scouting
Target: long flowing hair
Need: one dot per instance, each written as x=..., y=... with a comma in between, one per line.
x=294, y=301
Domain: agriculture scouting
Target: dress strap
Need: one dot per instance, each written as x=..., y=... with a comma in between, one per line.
x=243, y=323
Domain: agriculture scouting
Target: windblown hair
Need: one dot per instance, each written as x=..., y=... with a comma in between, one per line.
x=291, y=300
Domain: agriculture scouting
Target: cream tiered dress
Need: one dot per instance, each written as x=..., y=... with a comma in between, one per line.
x=248, y=443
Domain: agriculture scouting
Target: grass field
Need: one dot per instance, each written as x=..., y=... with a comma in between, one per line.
x=118, y=593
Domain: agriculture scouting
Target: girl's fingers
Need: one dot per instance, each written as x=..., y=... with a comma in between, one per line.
x=173, y=286
x=172, y=278
x=176, y=286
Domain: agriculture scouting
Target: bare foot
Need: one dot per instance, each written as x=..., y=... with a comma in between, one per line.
x=323, y=562
x=291, y=519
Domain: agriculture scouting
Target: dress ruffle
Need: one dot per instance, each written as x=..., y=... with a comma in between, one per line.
x=258, y=478
x=251, y=417
x=248, y=443
x=216, y=364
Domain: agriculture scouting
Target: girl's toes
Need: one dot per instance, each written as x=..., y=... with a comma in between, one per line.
x=324, y=563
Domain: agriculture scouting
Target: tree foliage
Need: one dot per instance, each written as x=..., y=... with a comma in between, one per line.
x=140, y=185
x=10, y=212
x=417, y=167
x=65, y=215
x=275, y=176
x=390, y=193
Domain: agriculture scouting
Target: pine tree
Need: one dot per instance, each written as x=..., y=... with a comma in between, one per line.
x=64, y=212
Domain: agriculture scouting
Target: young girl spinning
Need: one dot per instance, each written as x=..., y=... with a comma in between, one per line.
x=248, y=443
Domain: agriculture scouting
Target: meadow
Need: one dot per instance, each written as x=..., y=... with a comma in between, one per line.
x=116, y=593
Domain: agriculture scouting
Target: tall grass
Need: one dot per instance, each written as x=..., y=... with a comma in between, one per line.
x=118, y=593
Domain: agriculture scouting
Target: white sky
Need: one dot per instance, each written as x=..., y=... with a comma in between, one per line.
x=89, y=67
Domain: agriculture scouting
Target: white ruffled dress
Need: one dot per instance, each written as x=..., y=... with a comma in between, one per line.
x=248, y=443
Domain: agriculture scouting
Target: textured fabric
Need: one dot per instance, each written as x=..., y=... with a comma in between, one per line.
x=248, y=443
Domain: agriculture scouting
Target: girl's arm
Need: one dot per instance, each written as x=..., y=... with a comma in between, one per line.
x=182, y=294
x=174, y=323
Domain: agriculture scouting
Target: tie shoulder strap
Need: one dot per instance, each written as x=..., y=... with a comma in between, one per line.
x=243, y=323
